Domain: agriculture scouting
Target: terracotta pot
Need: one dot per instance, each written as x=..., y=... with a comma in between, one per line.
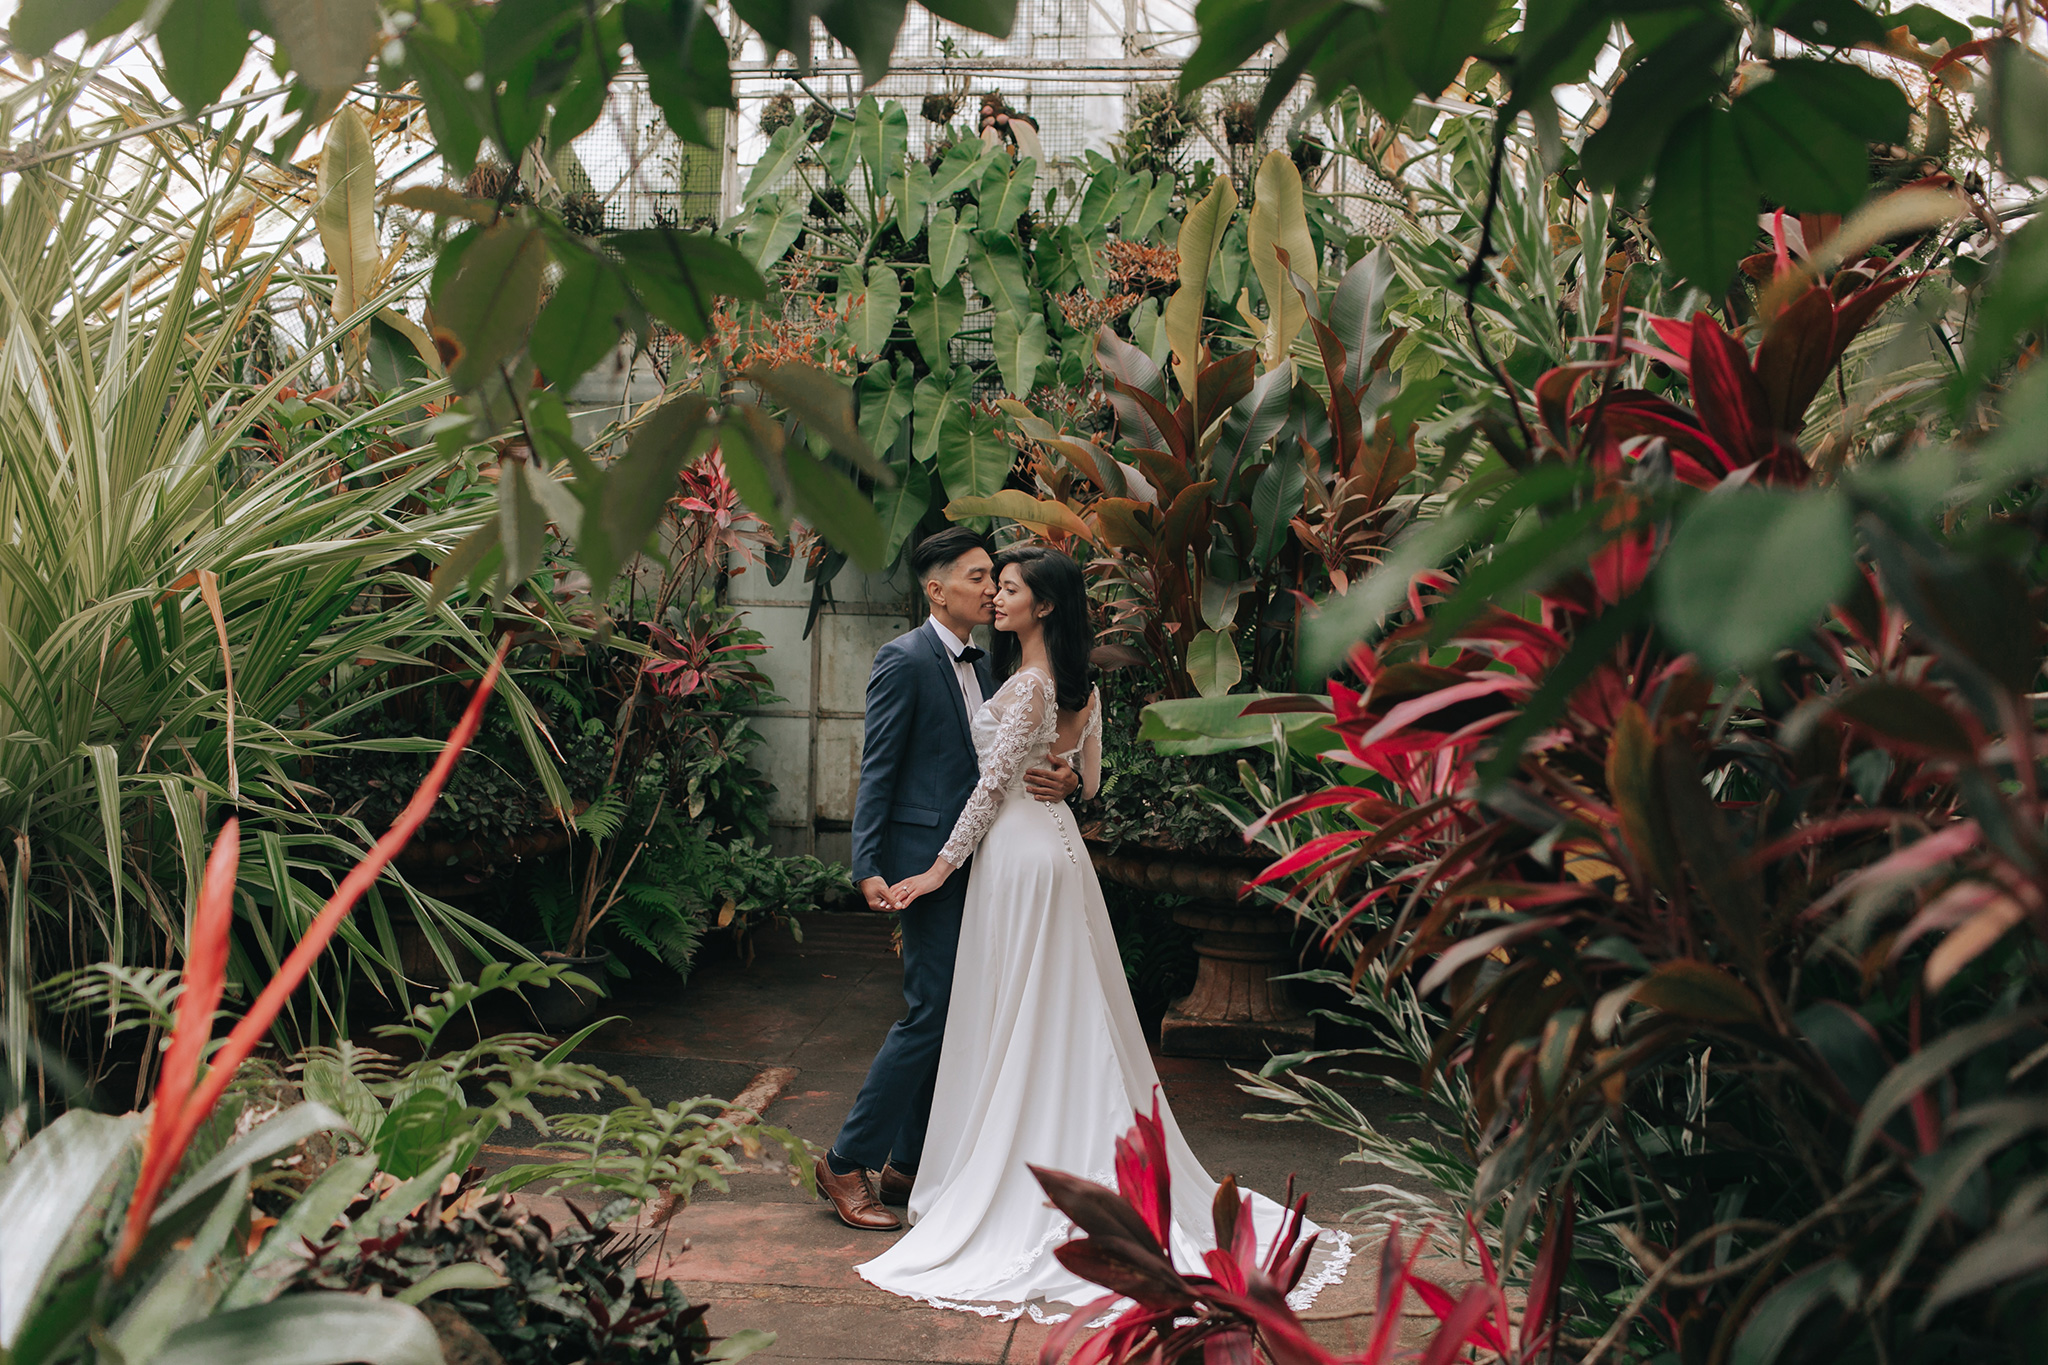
x=1236, y=1009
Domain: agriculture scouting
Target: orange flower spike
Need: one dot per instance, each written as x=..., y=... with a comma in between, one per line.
x=206, y=972
x=261, y=1015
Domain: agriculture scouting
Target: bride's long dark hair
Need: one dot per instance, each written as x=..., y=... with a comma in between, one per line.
x=1054, y=579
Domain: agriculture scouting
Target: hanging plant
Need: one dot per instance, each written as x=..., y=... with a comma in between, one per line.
x=777, y=113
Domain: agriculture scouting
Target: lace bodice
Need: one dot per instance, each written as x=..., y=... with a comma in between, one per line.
x=1012, y=731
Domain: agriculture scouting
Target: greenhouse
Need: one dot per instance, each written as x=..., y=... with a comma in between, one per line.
x=987, y=680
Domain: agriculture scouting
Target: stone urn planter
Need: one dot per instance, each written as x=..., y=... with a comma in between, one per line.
x=1236, y=1009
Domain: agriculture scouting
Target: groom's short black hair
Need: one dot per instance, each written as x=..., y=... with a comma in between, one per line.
x=941, y=548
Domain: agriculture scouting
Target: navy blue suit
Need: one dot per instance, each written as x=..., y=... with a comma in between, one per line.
x=917, y=769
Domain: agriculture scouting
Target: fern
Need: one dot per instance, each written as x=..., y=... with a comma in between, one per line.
x=602, y=818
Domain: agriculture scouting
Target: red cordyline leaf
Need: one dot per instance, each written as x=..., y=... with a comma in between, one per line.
x=206, y=960
x=1143, y=1175
x=169, y=1138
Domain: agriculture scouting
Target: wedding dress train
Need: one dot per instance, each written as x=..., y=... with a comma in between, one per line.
x=1044, y=1060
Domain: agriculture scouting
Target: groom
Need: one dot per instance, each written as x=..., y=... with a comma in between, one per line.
x=917, y=770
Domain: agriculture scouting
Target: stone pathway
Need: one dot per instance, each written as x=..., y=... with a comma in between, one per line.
x=800, y=1024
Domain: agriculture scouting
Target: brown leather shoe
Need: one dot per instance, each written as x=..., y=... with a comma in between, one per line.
x=894, y=1186
x=853, y=1199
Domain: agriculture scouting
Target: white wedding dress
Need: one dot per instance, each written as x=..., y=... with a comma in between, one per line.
x=1044, y=1060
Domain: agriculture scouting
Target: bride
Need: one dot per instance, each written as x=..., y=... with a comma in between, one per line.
x=1044, y=1061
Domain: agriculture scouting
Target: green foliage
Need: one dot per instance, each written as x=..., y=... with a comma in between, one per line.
x=548, y=1294
x=203, y=1286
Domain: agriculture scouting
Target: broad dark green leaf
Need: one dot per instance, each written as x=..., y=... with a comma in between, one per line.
x=884, y=398
x=579, y=105
x=1704, y=205
x=454, y=111
x=832, y=506
x=679, y=275
x=902, y=508
x=490, y=303
x=1681, y=74
x=1829, y=23
x=935, y=318
x=997, y=263
x=1930, y=25
x=993, y=17
x=419, y=1126
x=636, y=488
x=783, y=150
x=2019, y=109
x=1021, y=346
x=1432, y=38
x=1750, y=569
x=1801, y=159
x=1005, y=193
x=952, y=232
x=868, y=28
x=1872, y=108
x=2013, y=302
x=1771, y=1327
x=317, y=1328
x=1233, y=31
x=881, y=135
x=328, y=41
x=936, y=396
x=39, y=25
x=1276, y=500
x=974, y=460
x=818, y=400
x=773, y=226
x=583, y=321
x=203, y=43
x=679, y=47
x=871, y=316
x=1907, y=715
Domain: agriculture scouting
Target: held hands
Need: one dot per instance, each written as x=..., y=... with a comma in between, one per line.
x=1055, y=780
x=923, y=884
x=876, y=891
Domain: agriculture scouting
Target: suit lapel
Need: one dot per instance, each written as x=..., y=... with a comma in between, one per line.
x=952, y=682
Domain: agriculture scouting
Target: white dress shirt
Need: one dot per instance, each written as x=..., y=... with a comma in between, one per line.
x=970, y=685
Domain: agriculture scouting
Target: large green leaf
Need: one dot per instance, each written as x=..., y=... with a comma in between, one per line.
x=774, y=225
x=783, y=150
x=1005, y=194
x=901, y=509
x=1749, y=569
x=1216, y=725
x=937, y=396
x=1801, y=157
x=679, y=275
x=1021, y=346
x=912, y=191
x=872, y=315
x=952, y=232
x=997, y=264
x=321, y=1328
x=582, y=321
x=993, y=17
x=1213, y=665
x=2019, y=110
x=203, y=43
x=935, y=318
x=1276, y=501
x=1678, y=76
x=881, y=137
x=1432, y=38
x=489, y=305
x=883, y=396
x=43, y=1190
x=328, y=41
x=974, y=460
x=1771, y=1327
x=832, y=506
x=621, y=513
x=1704, y=205
x=39, y=25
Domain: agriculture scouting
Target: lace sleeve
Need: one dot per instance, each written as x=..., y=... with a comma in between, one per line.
x=1091, y=747
x=1020, y=738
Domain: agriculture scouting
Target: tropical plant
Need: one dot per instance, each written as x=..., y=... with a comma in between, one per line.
x=1238, y=1310
x=200, y=591
x=115, y=1253
x=536, y=1294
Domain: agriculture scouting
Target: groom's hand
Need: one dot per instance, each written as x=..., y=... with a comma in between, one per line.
x=1056, y=780
x=876, y=889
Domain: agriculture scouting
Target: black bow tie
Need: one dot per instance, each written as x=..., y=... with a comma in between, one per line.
x=970, y=654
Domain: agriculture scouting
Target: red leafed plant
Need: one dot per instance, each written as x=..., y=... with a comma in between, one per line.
x=184, y=1098
x=1237, y=1313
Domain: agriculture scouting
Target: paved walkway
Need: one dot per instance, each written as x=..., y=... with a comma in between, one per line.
x=800, y=1024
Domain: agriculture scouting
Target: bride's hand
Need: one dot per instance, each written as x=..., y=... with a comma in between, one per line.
x=923, y=884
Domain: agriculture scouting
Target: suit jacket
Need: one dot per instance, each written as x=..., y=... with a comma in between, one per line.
x=917, y=763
